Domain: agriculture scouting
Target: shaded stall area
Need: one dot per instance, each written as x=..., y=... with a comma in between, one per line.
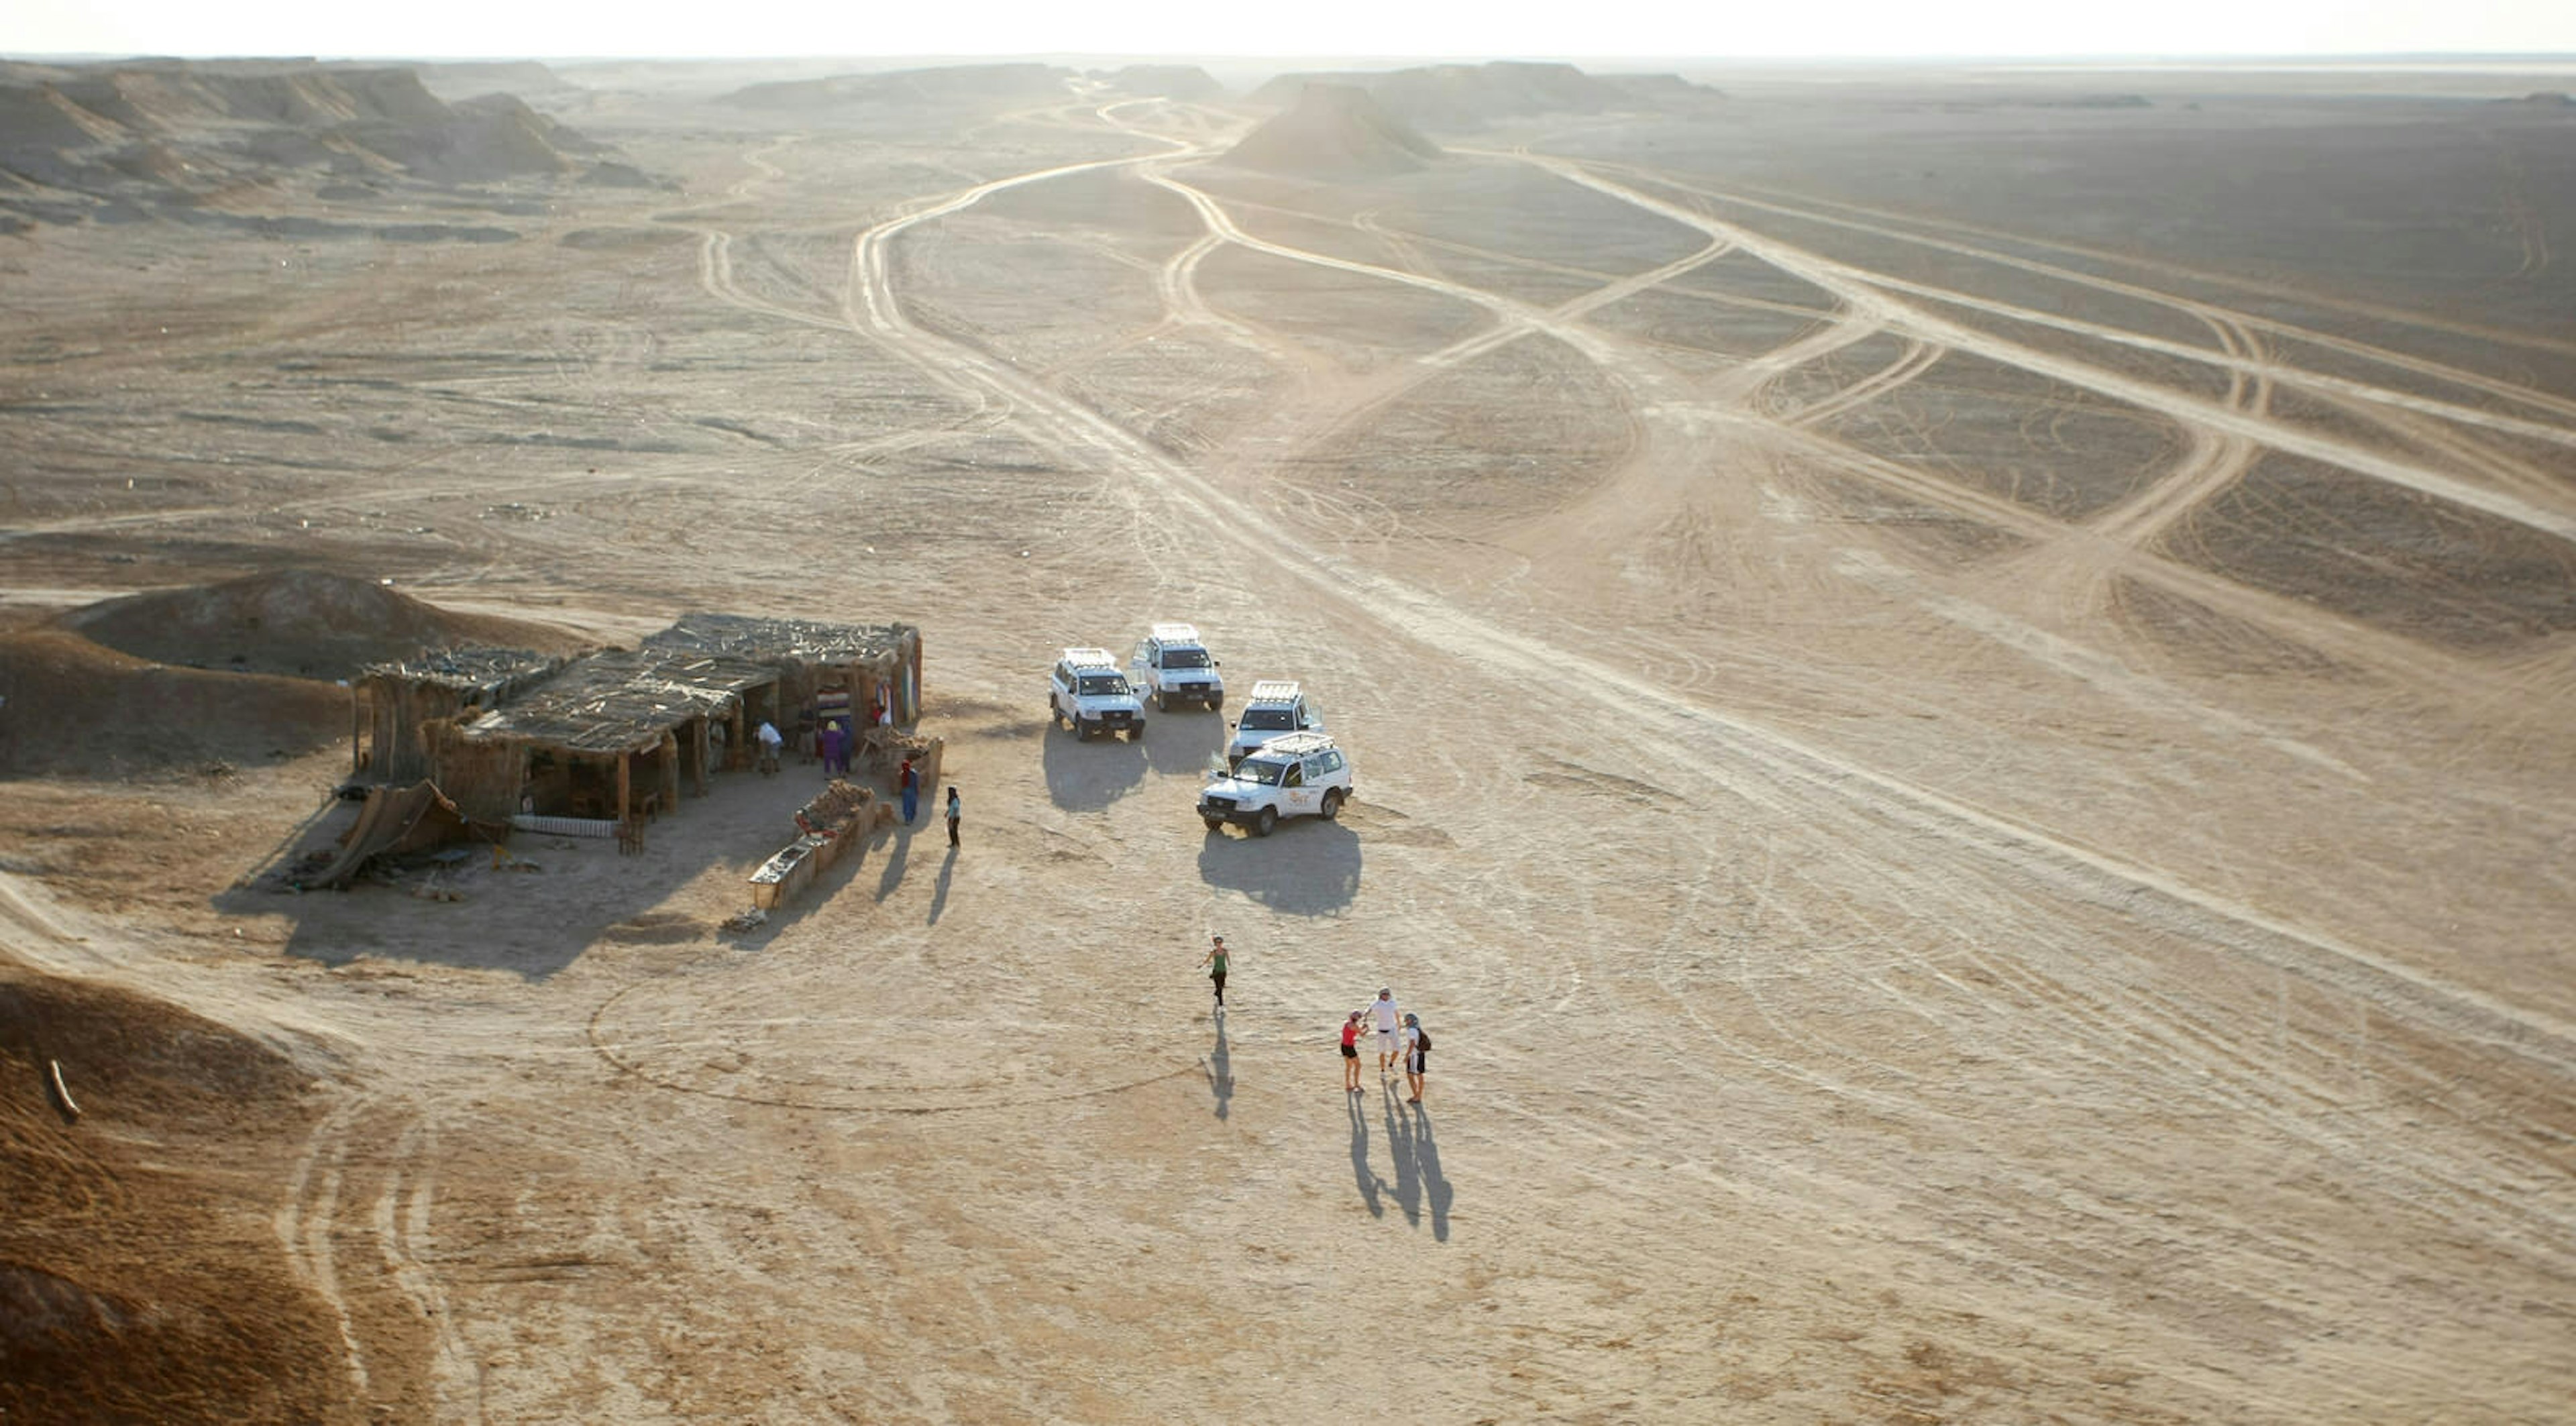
x=611, y=738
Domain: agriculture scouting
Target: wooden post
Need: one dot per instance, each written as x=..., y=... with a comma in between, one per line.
x=625, y=802
x=698, y=758
x=357, y=756
x=670, y=772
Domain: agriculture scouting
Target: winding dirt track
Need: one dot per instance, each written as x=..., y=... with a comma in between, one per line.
x=1866, y=983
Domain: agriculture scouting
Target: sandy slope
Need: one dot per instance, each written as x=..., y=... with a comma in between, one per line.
x=1895, y=953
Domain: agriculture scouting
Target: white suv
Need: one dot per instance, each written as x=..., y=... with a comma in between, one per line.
x=1293, y=775
x=1173, y=666
x=1088, y=691
x=1277, y=706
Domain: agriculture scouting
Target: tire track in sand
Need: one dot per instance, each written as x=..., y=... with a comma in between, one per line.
x=1729, y=751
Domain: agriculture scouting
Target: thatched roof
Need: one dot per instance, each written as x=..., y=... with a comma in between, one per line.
x=781, y=641
x=476, y=668
x=623, y=702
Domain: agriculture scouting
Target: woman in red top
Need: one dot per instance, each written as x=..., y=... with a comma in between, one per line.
x=1351, y=1053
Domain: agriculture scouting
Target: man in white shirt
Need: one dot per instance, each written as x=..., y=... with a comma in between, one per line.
x=1387, y=1021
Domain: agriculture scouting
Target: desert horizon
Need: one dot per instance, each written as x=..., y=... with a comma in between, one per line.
x=1954, y=679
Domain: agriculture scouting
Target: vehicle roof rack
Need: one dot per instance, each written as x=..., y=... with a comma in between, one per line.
x=1295, y=745
x=1173, y=633
x=1089, y=658
x=1275, y=690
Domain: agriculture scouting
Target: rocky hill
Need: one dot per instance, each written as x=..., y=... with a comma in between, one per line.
x=947, y=86
x=1168, y=81
x=1335, y=132
x=173, y=139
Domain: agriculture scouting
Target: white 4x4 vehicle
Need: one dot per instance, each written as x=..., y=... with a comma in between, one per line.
x=1088, y=691
x=1173, y=667
x=1292, y=775
x=1276, y=706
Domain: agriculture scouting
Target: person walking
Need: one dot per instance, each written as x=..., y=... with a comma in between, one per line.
x=956, y=814
x=910, y=781
x=770, y=743
x=1417, y=1056
x=1214, y=962
x=1351, y=1053
x=1387, y=1020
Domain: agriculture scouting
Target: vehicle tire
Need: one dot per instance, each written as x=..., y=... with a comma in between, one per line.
x=1332, y=807
x=1136, y=731
x=1081, y=730
x=1214, y=824
x=1162, y=701
x=1266, y=823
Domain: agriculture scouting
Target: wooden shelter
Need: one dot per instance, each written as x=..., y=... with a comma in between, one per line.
x=395, y=703
x=871, y=666
x=608, y=738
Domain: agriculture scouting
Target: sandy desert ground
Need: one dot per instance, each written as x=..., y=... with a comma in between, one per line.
x=1963, y=691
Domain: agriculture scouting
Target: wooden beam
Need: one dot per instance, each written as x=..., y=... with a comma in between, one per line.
x=625, y=800
x=62, y=1091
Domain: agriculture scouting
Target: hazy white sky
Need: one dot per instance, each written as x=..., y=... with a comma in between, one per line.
x=1628, y=28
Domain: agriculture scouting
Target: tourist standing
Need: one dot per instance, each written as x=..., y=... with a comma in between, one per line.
x=1351, y=1053
x=1417, y=1056
x=1387, y=1021
x=910, y=782
x=956, y=813
x=1214, y=962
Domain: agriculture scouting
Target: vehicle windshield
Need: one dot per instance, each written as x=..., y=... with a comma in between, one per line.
x=1103, y=683
x=1255, y=770
x=1185, y=658
x=1268, y=720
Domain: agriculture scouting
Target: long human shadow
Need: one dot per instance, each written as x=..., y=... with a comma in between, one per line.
x=939, y=889
x=1221, y=1069
x=1437, y=1191
x=892, y=875
x=1368, y=1179
x=1407, y=1188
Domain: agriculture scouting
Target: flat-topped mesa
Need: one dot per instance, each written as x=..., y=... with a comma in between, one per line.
x=1335, y=132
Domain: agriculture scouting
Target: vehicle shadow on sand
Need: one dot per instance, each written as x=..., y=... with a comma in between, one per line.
x=1086, y=776
x=1182, y=743
x=1309, y=867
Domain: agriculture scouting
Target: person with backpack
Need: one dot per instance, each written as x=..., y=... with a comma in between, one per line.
x=1417, y=1056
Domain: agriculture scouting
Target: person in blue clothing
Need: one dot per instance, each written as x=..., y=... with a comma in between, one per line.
x=911, y=783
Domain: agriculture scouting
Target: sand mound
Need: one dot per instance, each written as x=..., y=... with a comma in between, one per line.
x=298, y=623
x=1335, y=131
x=70, y=708
x=140, y=1275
